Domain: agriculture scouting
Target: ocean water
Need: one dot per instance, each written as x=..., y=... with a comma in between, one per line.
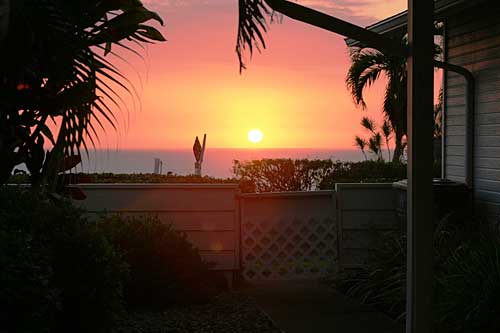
x=217, y=163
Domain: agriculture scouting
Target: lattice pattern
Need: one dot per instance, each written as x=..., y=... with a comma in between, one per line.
x=289, y=249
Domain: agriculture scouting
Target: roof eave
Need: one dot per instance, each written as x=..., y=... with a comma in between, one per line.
x=397, y=23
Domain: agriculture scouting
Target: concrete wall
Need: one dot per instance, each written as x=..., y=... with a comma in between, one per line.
x=207, y=213
x=364, y=211
x=473, y=41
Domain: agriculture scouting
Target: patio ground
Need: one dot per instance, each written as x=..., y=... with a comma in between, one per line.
x=310, y=306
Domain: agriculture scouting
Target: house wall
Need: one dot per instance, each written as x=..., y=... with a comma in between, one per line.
x=207, y=213
x=473, y=41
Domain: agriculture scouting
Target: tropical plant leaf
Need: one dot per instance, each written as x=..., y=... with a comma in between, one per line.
x=368, y=124
x=63, y=78
x=252, y=24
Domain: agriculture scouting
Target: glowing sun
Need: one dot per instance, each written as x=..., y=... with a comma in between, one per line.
x=255, y=136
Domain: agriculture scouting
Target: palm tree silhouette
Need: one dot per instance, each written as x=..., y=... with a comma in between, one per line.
x=367, y=66
x=53, y=67
x=361, y=144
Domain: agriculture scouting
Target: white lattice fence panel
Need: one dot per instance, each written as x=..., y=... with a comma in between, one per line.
x=289, y=248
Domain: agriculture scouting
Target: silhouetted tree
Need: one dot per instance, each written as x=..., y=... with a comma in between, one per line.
x=361, y=144
x=367, y=66
x=282, y=175
x=374, y=142
x=387, y=131
x=54, y=70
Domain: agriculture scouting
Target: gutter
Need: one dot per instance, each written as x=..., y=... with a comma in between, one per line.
x=398, y=22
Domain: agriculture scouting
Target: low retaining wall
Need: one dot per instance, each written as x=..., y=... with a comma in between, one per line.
x=207, y=213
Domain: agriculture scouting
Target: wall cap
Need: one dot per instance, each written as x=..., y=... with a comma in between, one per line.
x=122, y=186
x=287, y=194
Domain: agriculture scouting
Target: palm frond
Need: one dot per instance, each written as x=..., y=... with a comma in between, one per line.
x=252, y=24
x=366, y=67
x=62, y=75
x=386, y=129
x=368, y=124
x=375, y=144
x=360, y=142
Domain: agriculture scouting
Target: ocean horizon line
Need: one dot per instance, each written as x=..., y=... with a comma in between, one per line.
x=227, y=148
x=217, y=162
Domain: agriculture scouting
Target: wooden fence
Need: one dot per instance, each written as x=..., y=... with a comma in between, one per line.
x=265, y=236
x=207, y=213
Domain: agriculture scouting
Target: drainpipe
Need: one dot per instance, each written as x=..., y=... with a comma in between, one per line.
x=444, y=101
x=469, y=116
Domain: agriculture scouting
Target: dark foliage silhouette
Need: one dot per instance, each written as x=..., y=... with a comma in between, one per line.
x=54, y=70
x=58, y=273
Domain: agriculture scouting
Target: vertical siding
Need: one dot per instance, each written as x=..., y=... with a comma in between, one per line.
x=473, y=40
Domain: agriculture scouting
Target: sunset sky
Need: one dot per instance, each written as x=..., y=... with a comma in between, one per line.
x=294, y=92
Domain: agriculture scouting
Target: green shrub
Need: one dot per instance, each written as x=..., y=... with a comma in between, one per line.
x=268, y=175
x=468, y=287
x=277, y=175
x=281, y=174
x=58, y=272
x=164, y=267
x=383, y=282
x=466, y=278
x=364, y=172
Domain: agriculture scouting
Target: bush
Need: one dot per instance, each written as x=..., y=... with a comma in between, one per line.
x=165, y=269
x=383, y=282
x=468, y=285
x=267, y=175
x=281, y=175
x=466, y=278
x=58, y=272
x=364, y=172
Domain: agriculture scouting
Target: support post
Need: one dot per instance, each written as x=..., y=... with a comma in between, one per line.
x=420, y=165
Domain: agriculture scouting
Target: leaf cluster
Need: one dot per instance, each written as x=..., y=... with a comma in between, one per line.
x=378, y=138
x=58, y=273
x=63, y=273
x=282, y=175
x=252, y=24
x=278, y=175
x=56, y=85
x=165, y=268
x=466, y=277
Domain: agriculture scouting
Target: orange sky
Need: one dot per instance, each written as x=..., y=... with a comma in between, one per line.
x=294, y=91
